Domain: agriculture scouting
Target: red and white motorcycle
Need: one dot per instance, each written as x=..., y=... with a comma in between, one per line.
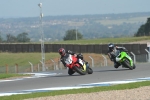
x=76, y=64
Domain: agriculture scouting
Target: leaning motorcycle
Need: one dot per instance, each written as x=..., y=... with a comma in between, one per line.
x=125, y=60
x=77, y=65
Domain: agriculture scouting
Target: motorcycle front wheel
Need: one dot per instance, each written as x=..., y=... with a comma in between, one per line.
x=126, y=63
x=71, y=71
x=89, y=70
x=79, y=70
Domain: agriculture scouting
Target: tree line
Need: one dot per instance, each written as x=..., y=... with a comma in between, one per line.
x=71, y=34
x=22, y=37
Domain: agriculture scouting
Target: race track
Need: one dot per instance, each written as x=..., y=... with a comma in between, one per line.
x=60, y=78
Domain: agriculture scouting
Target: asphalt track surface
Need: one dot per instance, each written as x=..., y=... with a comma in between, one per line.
x=62, y=79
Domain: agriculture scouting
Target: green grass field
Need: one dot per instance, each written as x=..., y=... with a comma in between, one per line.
x=10, y=60
x=23, y=59
x=104, y=40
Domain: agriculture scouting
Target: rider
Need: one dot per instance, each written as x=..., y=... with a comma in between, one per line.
x=113, y=51
x=64, y=53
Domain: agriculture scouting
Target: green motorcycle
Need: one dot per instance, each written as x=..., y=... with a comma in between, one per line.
x=125, y=60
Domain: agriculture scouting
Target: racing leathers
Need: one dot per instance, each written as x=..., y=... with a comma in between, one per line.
x=62, y=59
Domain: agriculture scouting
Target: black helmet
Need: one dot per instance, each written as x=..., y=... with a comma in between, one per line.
x=111, y=46
x=62, y=51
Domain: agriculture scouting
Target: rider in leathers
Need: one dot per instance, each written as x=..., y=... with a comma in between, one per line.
x=113, y=51
x=64, y=54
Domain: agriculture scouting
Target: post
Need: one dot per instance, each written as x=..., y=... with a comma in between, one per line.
x=134, y=57
x=31, y=66
x=148, y=55
x=92, y=61
x=59, y=64
x=76, y=34
x=105, y=60
x=42, y=39
x=54, y=64
x=6, y=68
x=16, y=68
x=38, y=68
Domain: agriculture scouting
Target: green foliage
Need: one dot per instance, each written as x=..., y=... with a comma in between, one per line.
x=1, y=39
x=144, y=30
x=72, y=34
x=23, y=37
x=10, y=38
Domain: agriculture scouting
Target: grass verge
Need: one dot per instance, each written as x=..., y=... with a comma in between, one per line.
x=75, y=91
x=23, y=59
x=11, y=75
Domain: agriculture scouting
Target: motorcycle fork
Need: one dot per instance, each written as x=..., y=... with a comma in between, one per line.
x=84, y=67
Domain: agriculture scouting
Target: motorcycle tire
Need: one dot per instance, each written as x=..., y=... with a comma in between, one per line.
x=134, y=66
x=79, y=70
x=70, y=71
x=89, y=70
x=126, y=63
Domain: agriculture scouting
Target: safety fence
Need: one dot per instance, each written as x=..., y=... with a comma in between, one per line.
x=96, y=61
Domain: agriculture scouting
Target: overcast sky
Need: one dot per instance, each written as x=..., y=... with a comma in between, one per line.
x=29, y=8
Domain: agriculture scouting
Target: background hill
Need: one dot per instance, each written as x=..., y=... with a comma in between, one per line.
x=90, y=26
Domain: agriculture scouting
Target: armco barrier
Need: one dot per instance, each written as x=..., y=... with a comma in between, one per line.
x=79, y=48
x=129, y=47
x=104, y=49
x=13, y=48
x=18, y=47
x=25, y=48
x=76, y=48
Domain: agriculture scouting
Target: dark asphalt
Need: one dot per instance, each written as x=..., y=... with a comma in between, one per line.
x=100, y=74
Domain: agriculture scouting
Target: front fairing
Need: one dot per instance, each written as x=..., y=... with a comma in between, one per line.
x=70, y=60
x=122, y=56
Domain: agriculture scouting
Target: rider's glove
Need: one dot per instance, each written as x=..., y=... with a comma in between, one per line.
x=69, y=51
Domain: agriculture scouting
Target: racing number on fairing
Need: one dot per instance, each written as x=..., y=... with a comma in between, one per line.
x=68, y=60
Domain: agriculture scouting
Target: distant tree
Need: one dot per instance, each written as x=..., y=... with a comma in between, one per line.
x=1, y=39
x=10, y=38
x=23, y=37
x=71, y=35
x=144, y=29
